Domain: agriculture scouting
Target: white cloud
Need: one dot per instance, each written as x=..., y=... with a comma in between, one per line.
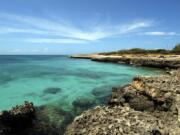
x=67, y=33
x=17, y=50
x=160, y=33
x=24, y=51
x=135, y=26
x=55, y=41
x=6, y=30
x=45, y=49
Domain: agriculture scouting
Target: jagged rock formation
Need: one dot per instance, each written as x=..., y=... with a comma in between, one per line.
x=157, y=93
x=17, y=119
x=27, y=120
x=147, y=106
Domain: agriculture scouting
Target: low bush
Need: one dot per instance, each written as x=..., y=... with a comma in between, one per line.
x=176, y=49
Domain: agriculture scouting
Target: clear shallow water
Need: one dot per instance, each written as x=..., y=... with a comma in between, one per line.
x=28, y=77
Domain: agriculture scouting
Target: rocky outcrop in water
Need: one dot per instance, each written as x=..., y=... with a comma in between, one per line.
x=29, y=120
x=147, y=106
x=17, y=119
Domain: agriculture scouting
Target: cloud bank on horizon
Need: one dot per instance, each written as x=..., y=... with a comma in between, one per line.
x=86, y=26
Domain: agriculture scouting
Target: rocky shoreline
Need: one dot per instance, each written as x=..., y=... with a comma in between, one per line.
x=147, y=106
x=158, y=61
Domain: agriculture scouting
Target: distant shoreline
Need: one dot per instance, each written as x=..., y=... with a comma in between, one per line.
x=171, y=61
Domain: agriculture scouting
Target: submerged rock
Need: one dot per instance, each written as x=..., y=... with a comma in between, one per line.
x=31, y=94
x=52, y=90
x=80, y=105
x=103, y=100
x=102, y=91
x=102, y=94
x=51, y=120
x=6, y=78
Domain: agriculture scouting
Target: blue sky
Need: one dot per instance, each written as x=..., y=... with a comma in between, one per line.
x=86, y=26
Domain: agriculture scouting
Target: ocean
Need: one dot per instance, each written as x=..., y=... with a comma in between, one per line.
x=60, y=80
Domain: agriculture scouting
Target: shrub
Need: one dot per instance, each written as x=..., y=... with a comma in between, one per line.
x=176, y=49
x=137, y=51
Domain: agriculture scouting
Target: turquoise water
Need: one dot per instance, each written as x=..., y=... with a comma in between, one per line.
x=30, y=77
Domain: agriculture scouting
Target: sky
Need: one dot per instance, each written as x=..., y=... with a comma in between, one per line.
x=87, y=26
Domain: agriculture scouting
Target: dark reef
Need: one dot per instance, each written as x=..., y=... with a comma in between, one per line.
x=17, y=119
x=52, y=90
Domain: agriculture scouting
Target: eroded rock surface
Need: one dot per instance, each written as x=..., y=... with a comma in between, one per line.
x=17, y=119
x=27, y=120
x=150, y=93
x=120, y=121
x=147, y=106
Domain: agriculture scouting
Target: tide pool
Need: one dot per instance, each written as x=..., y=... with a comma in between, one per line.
x=60, y=80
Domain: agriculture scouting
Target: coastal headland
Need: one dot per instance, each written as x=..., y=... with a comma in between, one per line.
x=159, y=58
x=152, y=60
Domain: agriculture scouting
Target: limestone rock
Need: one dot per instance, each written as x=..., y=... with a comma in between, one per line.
x=120, y=121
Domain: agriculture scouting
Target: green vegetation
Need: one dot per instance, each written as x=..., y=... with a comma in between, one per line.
x=175, y=50
x=138, y=51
